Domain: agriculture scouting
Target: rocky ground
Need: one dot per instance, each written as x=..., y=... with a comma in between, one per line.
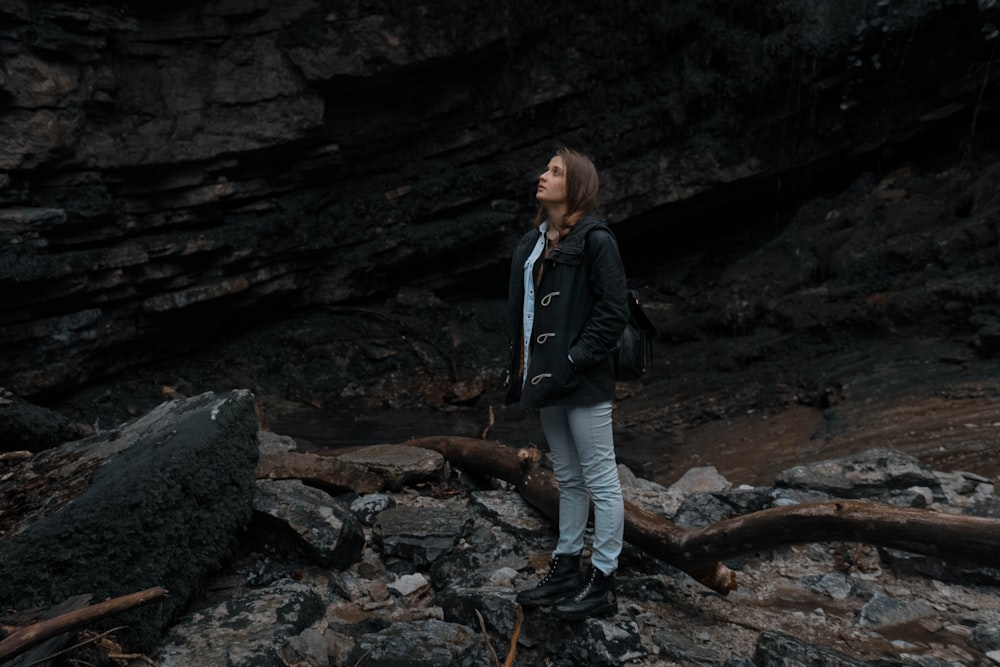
x=418, y=562
x=444, y=550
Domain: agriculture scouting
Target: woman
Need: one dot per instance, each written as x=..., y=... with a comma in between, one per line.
x=567, y=310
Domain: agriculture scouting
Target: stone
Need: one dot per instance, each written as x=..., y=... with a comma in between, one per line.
x=874, y=473
x=883, y=611
x=420, y=535
x=309, y=647
x=511, y=510
x=370, y=505
x=702, y=479
x=408, y=584
x=777, y=648
x=398, y=464
x=428, y=643
x=30, y=427
x=245, y=630
x=324, y=530
x=167, y=494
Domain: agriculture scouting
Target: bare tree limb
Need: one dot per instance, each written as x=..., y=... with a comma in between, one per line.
x=698, y=551
x=24, y=638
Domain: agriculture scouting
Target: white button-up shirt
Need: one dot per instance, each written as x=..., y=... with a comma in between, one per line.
x=528, y=311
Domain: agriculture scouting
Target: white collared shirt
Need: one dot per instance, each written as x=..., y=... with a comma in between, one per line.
x=528, y=310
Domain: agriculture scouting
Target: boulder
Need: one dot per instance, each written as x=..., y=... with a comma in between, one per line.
x=321, y=528
x=871, y=474
x=245, y=630
x=30, y=427
x=159, y=501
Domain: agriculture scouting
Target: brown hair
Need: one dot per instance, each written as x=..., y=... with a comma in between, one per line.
x=582, y=184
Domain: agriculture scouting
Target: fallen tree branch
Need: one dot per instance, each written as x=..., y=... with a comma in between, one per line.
x=698, y=551
x=24, y=638
x=968, y=539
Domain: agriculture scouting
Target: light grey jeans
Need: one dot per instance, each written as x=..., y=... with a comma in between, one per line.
x=582, y=446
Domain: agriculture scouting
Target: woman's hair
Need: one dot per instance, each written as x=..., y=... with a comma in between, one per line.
x=582, y=184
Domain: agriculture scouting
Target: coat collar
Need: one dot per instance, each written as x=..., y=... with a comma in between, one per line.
x=574, y=241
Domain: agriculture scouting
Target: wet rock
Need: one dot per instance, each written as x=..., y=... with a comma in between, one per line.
x=988, y=506
x=398, y=464
x=776, y=649
x=33, y=428
x=309, y=647
x=460, y=604
x=275, y=443
x=833, y=584
x=968, y=492
x=370, y=505
x=684, y=650
x=702, y=509
x=873, y=474
x=987, y=637
x=409, y=584
x=606, y=643
x=421, y=534
x=245, y=630
x=511, y=510
x=324, y=530
x=429, y=643
x=440, y=554
x=485, y=558
x=941, y=570
x=703, y=479
x=883, y=611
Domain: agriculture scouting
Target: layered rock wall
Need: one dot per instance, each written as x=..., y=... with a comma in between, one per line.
x=170, y=173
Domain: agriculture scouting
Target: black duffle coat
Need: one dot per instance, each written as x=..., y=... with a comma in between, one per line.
x=580, y=313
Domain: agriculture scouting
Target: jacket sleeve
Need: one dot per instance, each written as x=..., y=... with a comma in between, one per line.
x=606, y=277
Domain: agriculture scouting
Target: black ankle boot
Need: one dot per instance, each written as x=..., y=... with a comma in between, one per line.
x=595, y=598
x=563, y=578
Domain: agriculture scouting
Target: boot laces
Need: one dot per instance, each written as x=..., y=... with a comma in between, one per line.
x=552, y=569
x=585, y=591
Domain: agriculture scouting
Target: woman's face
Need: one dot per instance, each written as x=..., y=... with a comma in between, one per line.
x=552, y=183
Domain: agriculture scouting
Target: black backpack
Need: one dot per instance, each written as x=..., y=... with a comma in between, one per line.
x=633, y=355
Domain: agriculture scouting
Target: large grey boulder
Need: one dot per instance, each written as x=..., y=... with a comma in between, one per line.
x=156, y=502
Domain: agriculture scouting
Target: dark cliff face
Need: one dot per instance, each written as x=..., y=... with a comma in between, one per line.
x=167, y=175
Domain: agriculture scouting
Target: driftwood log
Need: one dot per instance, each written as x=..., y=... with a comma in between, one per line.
x=698, y=551
x=21, y=639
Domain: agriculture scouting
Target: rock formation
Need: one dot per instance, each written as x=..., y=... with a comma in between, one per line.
x=157, y=502
x=168, y=174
